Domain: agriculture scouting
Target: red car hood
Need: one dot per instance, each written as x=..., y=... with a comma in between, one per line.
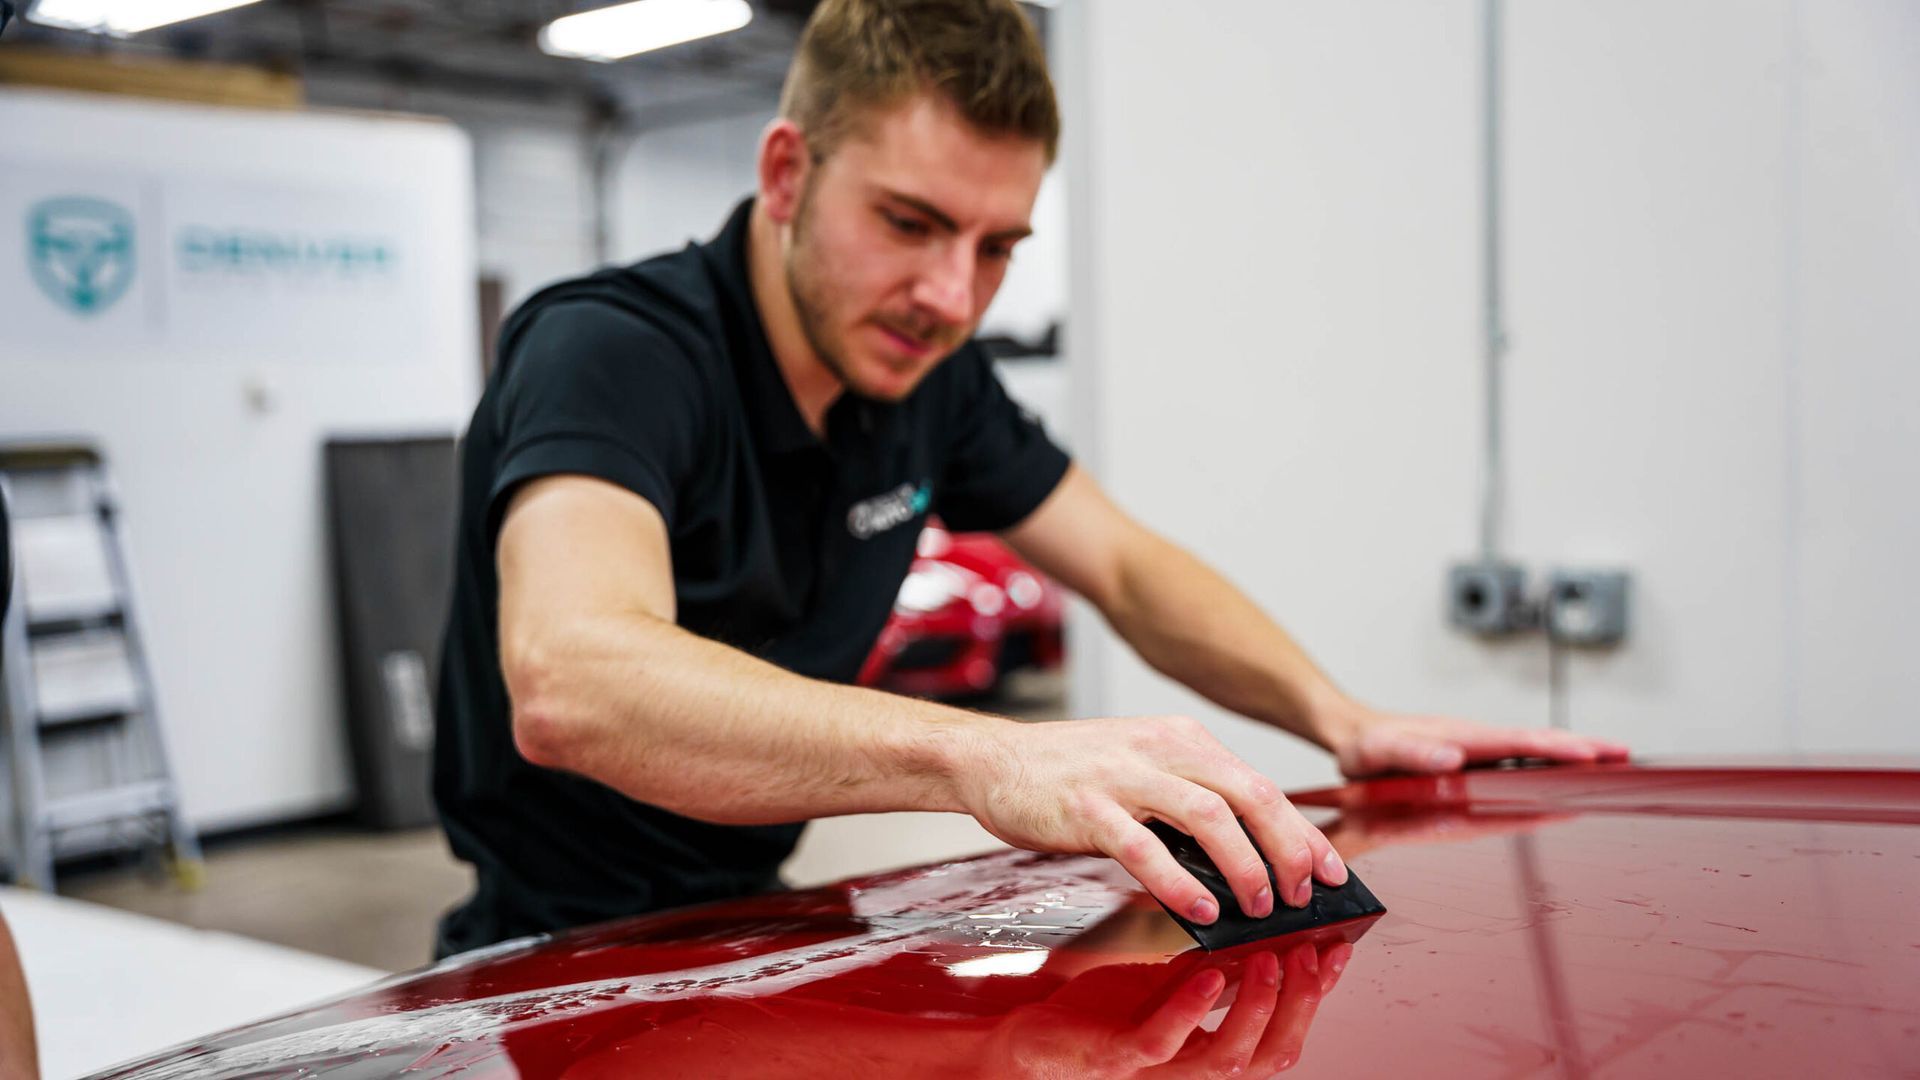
x=1606, y=921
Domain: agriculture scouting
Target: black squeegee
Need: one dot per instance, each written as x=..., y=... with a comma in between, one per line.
x=1329, y=905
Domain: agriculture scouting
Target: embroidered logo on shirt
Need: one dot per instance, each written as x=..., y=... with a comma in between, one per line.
x=871, y=517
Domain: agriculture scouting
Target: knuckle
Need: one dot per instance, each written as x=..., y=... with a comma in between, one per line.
x=1296, y=860
x=1265, y=793
x=1136, y=846
x=1208, y=808
x=1082, y=805
x=1156, y=1047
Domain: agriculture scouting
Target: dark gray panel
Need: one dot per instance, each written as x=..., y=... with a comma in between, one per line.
x=391, y=508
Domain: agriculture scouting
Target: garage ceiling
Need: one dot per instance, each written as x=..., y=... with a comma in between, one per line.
x=479, y=48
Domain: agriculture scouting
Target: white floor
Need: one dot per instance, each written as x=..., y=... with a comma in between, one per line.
x=841, y=847
x=108, y=986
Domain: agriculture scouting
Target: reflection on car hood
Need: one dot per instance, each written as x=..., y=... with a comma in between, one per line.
x=1602, y=921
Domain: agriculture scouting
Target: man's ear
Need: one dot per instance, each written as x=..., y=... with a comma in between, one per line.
x=784, y=163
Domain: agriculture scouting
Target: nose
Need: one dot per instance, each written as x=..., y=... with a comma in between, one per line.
x=945, y=287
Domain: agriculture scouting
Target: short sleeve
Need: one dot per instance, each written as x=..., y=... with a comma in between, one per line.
x=593, y=390
x=1001, y=465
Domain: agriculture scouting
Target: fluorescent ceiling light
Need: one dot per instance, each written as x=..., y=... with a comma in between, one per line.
x=124, y=16
x=625, y=29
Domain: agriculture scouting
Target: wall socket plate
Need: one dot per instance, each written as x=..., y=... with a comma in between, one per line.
x=1587, y=607
x=1489, y=599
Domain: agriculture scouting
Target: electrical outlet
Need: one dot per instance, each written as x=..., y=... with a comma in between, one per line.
x=1489, y=599
x=1587, y=607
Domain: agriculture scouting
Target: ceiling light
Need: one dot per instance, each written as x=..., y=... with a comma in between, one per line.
x=625, y=29
x=119, y=17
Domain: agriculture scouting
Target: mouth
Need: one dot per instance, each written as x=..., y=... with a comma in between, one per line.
x=914, y=347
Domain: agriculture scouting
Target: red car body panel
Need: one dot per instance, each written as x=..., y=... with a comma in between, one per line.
x=1578, y=922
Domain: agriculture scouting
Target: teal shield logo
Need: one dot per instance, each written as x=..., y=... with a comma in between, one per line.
x=81, y=252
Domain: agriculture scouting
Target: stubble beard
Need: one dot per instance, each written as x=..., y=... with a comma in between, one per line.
x=805, y=288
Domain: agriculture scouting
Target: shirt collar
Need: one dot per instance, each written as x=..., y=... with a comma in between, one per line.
x=775, y=417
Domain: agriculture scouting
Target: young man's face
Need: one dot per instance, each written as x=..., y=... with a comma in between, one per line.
x=901, y=239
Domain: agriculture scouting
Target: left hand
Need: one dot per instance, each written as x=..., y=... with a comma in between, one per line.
x=1367, y=743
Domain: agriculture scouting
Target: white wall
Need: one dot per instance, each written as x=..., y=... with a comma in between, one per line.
x=677, y=184
x=533, y=182
x=1713, y=245
x=212, y=414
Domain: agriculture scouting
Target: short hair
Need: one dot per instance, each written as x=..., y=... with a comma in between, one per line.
x=859, y=56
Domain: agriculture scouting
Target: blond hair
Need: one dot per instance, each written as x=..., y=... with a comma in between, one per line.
x=860, y=56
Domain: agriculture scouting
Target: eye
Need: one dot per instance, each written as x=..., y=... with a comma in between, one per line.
x=997, y=252
x=905, y=226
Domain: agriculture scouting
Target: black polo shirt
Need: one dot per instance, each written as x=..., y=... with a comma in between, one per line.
x=658, y=377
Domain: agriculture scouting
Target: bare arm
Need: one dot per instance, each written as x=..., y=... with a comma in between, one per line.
x=604, y=684
x=1190, y=624
x=18, y=1055
x=1176, y=612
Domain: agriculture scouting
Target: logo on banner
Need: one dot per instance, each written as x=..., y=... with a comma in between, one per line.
x=81, y=252
x=287, y=254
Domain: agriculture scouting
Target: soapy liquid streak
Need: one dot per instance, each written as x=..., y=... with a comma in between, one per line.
x=486, y=1021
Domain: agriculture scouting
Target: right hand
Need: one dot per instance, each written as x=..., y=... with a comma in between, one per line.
x=1086, y=786
x=1262, y=1033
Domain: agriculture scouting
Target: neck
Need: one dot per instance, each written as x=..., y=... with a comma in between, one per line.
x=813, y=385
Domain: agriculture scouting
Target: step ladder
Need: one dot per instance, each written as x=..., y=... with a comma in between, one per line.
x=88, y=758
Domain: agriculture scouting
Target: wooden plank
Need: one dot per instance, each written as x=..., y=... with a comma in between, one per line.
x=176, y=80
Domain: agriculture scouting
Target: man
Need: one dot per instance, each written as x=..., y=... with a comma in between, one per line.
x=693, y=486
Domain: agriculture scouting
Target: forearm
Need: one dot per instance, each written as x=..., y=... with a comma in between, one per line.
x=18, y=1055
x=705, y=730
x=1194, y=626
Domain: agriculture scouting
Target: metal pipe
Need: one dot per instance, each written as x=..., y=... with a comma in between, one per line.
x=1493, y=331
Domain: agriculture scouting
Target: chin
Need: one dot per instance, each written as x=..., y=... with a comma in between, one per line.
x=879, y=381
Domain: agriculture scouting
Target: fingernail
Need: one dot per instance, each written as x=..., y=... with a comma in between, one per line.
x=1262, y=903
x=1203, y=911
x=1338, y=962
x=1441, y=759
x=1303, y=894
x=1266, y=968
x=1331, y=865
x=1210, y=983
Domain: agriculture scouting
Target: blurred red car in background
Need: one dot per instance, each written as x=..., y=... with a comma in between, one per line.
x=969, y=613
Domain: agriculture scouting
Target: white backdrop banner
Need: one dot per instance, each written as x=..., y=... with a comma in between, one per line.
x=203, y=266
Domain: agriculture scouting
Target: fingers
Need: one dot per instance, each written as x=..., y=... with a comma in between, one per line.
x=1239, y=1035
x=1302, y=988
x=1438, y=745
x=1297, y=850
x=1201, y=788
x=1610, y=750
x=1141, y=854
x=1161, y=1035
x=1207, y=817
x=1333, y=964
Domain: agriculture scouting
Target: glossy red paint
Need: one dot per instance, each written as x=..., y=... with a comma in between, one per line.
x=970, y=612
x=1620, y=922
